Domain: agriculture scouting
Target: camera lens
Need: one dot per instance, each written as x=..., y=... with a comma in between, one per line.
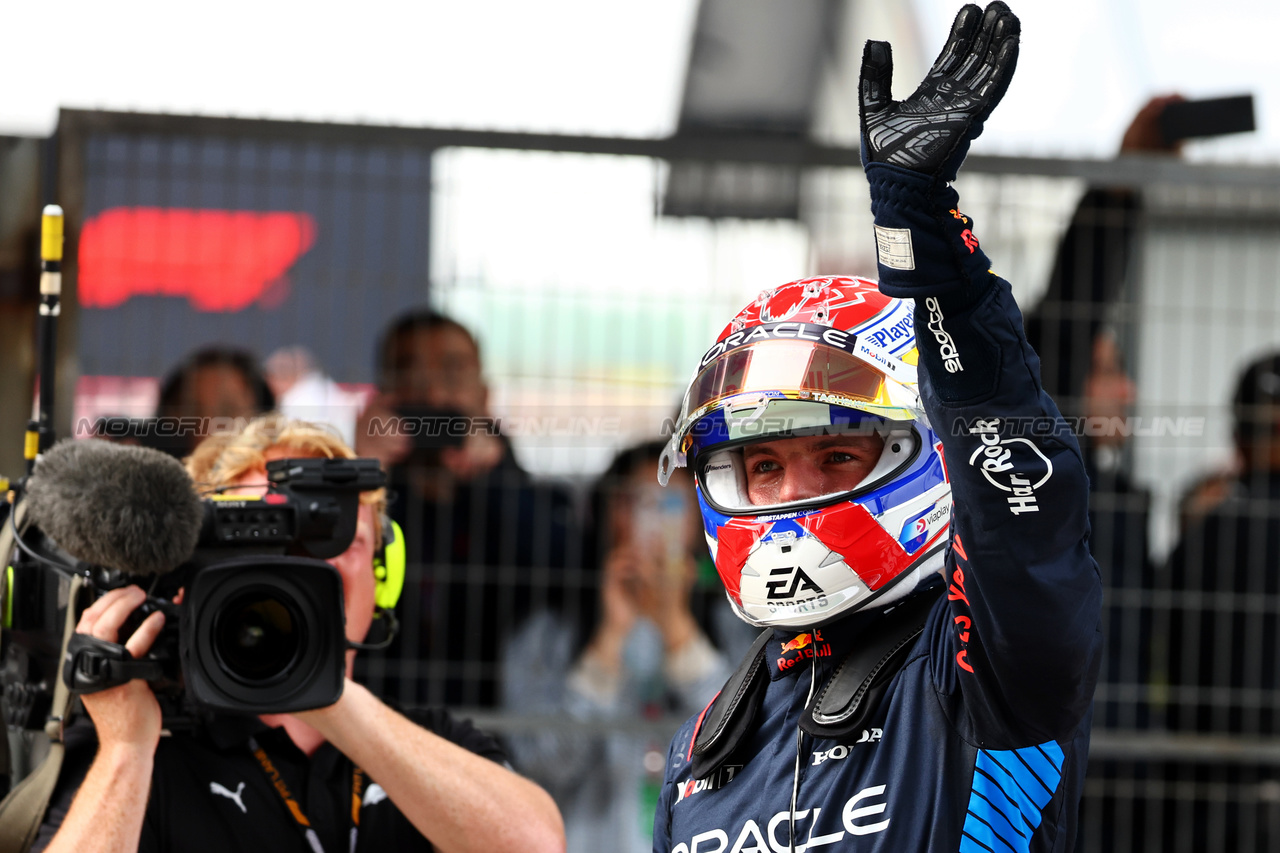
x=258, y=635
x=263, y=634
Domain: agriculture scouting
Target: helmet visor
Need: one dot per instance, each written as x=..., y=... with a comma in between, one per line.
x=751, y=378
x=796, y=368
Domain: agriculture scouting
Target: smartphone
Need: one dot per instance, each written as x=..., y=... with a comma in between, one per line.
x=1210, y=117
x=662, y=520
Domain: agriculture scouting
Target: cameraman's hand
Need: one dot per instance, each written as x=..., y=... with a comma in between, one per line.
x=930, y=131
x=107, y=813
x=127, y=716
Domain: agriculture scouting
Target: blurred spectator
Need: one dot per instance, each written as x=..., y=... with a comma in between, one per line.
x=1082, y=368
x=306, y=393
x=1224, y=630
x=212, y=382
x=485, y=542
x=1199, y=498
x=1234, y=550
x=635, y=652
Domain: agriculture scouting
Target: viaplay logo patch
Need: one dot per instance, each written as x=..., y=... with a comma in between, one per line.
x=917, y=529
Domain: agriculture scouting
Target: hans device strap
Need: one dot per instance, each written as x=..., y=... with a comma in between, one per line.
x=729, y=717
x=844, y=704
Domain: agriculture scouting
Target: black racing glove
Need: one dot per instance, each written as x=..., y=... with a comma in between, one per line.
x=930, y=131
x=912, y=150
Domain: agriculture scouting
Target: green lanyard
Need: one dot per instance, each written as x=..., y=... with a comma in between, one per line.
x=358, y=781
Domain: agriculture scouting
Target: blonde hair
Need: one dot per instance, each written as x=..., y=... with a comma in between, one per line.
x=221, y=459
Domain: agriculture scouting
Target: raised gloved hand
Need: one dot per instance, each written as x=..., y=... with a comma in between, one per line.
x=930, y=131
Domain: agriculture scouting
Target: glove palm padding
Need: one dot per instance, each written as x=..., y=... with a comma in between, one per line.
x=930, y=131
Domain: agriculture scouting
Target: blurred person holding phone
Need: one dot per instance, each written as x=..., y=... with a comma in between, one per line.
x=1083, y=367
x=478, y=527
x=356, y=775
x=429, y=366
x=630, y=648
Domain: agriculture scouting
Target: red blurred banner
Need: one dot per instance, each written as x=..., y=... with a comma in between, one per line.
x=220, y=260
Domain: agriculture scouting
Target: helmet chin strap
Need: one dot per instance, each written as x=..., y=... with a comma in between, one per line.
x=902, y=586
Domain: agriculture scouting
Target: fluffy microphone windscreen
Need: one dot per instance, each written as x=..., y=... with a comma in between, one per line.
x=127, y=508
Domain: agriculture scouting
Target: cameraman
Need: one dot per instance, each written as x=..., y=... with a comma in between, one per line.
x=354, y=776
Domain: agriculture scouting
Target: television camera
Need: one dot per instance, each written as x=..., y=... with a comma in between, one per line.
x=260, y=625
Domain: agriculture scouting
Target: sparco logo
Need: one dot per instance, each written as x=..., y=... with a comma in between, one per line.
x=857, y=817
x=947, y=347
x=1013, y=465
x=794, y=581
x=714, y=782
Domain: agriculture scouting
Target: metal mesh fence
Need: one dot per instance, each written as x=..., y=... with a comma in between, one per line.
x=1148, y=287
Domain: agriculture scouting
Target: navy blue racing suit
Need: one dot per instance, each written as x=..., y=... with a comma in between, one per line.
x=981, y=739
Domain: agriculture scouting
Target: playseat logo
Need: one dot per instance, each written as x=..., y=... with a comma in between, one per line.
x=792, y=582
x=892, y=334
x=855, y=819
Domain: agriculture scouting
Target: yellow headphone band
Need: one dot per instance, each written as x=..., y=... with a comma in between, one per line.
x=389, y=566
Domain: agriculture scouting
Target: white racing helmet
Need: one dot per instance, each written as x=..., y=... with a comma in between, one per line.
x=830, y=362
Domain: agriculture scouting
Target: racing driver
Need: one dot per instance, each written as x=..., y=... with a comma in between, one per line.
x=926, y=677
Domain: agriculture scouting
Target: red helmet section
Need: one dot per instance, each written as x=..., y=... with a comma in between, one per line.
x=842, y=302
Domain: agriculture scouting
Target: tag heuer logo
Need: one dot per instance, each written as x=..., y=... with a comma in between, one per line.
x=791, y=582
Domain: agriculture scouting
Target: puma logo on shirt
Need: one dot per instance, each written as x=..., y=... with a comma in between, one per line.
x=215, y=788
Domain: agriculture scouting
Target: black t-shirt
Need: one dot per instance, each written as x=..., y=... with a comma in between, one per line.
x=502, y=547
x=210, y=793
